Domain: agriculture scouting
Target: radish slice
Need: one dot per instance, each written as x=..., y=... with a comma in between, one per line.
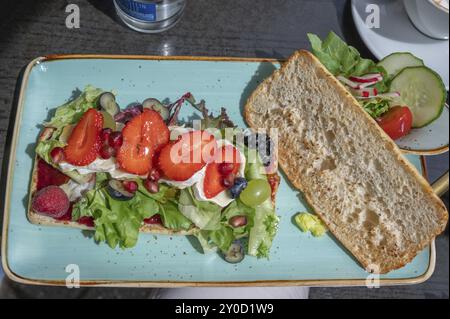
x=366, y=92
x=349, y=83
x=360, y=83
x=366, y=85
x=390, y=95
x=368, y=78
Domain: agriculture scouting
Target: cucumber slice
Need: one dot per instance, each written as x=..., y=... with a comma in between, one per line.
x=107, y=102
x=422, y=90
x=396, y=62
x=65, y=133
x=108, y=120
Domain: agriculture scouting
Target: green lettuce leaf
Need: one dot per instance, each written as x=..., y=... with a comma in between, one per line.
x=43, y=149
x=167, y=200
x=237, y=208
x=204, y=239
x=340, y=58
x=71, y=112
x=222, y=238
x=205, y=215
x=312, y=223
x=376, y=107
x=116, y=222
x=172, y=218
x=86, y=205
x=164, y=194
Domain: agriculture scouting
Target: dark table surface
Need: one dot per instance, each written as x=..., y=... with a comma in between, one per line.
x=239, y=28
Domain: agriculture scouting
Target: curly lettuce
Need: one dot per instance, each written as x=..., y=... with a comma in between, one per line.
x=310, y=223
x=118, y=222
x=43, y=149
x=71, y=112
x=376, y=107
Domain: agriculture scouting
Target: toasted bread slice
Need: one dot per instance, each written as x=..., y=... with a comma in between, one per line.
x=351, y=173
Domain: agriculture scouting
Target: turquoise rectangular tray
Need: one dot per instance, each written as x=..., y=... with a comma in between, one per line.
x=39, y=255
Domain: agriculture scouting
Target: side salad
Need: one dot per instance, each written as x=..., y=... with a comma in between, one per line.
x=400, y=92
x=123, y=171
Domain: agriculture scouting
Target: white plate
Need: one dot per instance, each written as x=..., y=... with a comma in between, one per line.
x=429, y=140
x=397, y=34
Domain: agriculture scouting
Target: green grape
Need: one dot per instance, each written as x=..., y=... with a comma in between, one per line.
x=257, y=191
x=108, y=121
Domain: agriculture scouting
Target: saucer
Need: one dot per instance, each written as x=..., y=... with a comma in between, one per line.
x=398, y=34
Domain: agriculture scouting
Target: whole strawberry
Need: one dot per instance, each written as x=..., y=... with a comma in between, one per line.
x=51, y=201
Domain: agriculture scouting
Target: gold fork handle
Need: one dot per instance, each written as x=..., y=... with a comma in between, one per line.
x=440, y=186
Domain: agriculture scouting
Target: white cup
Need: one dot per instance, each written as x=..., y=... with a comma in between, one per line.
x=431, y=17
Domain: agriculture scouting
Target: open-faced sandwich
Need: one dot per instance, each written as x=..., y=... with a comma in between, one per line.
x=121, y=172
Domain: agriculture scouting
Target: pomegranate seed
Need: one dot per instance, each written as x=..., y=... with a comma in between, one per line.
x=228, y=180
x=151, y=186
x=115, y=140
x=226, y=168
x=57, y=155
x=106, y=152
x=87, y=221
x=238, y=221
x=154, y=175
x=154, y=220
x=104, y=135
x=130, y=186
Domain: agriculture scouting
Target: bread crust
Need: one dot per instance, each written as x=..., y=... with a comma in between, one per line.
x=293, y=173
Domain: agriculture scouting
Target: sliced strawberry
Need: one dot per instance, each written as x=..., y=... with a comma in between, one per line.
x=142, y=137
x=47, y=175
x=213, y=182
x=160, y=134
x=181, y=159
x=85, y=142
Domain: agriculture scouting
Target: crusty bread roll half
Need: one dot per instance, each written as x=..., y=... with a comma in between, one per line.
x=352, y=174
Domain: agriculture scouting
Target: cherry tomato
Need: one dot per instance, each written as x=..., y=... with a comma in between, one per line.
x=397, y=122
